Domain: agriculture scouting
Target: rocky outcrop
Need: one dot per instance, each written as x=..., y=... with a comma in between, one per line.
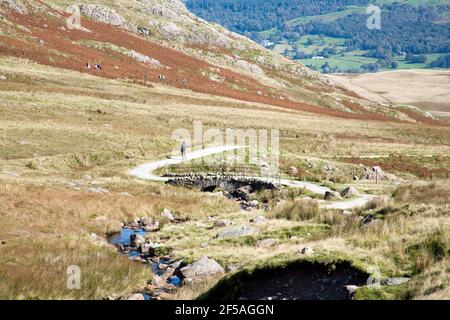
x=376, y=173
x=14, y=5
x=101, y=14
x=143, y=58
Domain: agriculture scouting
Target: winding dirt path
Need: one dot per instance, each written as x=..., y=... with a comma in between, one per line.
x=146, y=172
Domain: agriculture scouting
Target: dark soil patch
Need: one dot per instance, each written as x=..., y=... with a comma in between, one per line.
x=297, y=281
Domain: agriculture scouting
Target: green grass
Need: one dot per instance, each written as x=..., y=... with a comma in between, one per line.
x=327, y=17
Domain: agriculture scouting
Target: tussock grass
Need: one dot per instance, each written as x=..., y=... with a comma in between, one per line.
x=55, y=127
x=432, y=193
x=299, y=210
x=45, y=230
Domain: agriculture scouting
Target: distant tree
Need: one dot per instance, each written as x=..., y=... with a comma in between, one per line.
x=419, y=58
x=441, y=62
x=326, y=68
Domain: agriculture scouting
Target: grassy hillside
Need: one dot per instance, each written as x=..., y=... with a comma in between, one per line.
x=59, y=127
x=69, y=136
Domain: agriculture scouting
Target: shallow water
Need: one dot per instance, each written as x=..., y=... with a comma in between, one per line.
x=123, y=238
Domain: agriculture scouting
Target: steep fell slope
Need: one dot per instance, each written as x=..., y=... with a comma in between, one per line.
x=152, y=41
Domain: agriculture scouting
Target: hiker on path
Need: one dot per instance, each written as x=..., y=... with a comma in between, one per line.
x=183, y=148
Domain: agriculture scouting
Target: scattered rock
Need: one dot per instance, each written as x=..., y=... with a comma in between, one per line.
x=145, y=221
x=152, y=227
x=204, y=267
x=306, y=251
x=188, y=281
x=351, y=289
x=394, y=281
x=10, y=173
x=167, y=214
x=175, y=265
x=347, y=213
x=134, y=225
x=98, y=190
x=222, y=223
x=201, y=225
x=243, y=193
x=349, y=192
x=3, y=78
x=266, y=243
x=134, y=296
x=293, y=171
x=204, y=245
x=332, y=195
x=143, y=58
x=158, y=281
x=151, y=248
x=236, y=232
x=253, y=203
x=97, y=239
x=259, y=220
x=125, y=194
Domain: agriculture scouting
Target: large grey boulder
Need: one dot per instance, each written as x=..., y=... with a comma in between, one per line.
x=332, y=195
x=349, y=192
x=236, y=232
x=101, y=14
x=204, y=267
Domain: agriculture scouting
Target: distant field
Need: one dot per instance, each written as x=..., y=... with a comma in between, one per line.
x=300, y=40
x=427, y=89
x=355, y=59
